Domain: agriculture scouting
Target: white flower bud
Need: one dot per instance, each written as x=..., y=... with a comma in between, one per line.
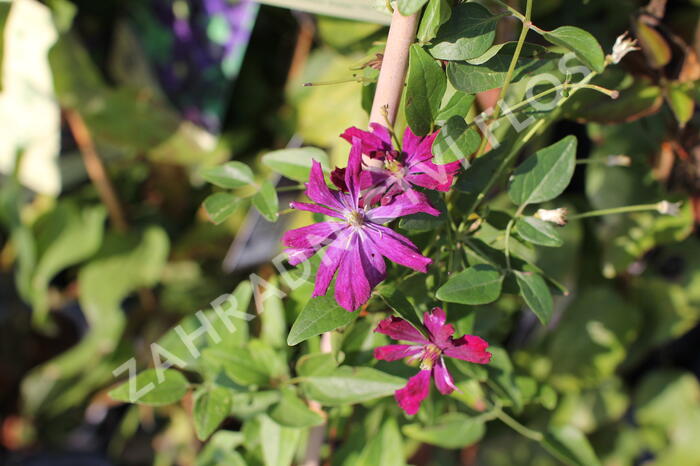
x=556, y=216
x=618, y=161
x=623, y=46
x=668, y=208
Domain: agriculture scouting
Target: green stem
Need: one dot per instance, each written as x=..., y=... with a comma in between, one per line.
x=509, y=228
x=616, y=210
x=518, y=427
x=296, y=187
x=511, y=70
x=560, y=87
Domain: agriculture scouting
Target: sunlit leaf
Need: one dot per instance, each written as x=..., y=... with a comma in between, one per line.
x=468, y=33
x=480, y=284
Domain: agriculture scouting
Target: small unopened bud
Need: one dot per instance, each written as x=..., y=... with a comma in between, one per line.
x=623, y=46
x=669, y=208
x=556, y=216
x=618, y=161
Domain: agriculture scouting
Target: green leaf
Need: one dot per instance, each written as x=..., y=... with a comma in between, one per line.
x=220, y=449
x=536, y=294
x=211, y=406
x=472, y=79
x=468, y=33
x=351, y=385
x=295, y=164
x=656, y=48
x=544, y=175
x=320, y=315
x=582, y=43
x=397, y=301
x=409, y=7
x=266, y=201
x=220, y=206
x=316, y=364
x=480, y=284
x=425, y=86
x=149, y=390
x=453, y=430
x=569, y=445
x=230, y=175
x=434, y=16
x=538, y=231
x=292, y=412
x=385, y=448
x=458, y=105
x=456, y=141
x=239, y=364
x=65, y=236
x=680, y=99
x=278, y=443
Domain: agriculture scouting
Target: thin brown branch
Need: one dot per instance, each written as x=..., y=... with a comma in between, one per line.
x=95, y=168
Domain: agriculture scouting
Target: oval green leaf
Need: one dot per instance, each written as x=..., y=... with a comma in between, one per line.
x=468, y=33
x=230, y=175
x=295, y=164
x=538, y=232
x=454, y=430
x=456, y=141
x=569, y=445
x=582, y=43
x=292, y=412
x=147, y=389
x=351, y=385
x=536, y=294
x=544, y=175
x=321, y=314
x=480, y=284
x=211, y=406
x=220, y=206
x=425, y=86
x=266, y=201
x=409, y=7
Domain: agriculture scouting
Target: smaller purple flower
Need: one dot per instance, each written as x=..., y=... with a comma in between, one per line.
x=429, y=350
x=390, y=172
x=356, y=240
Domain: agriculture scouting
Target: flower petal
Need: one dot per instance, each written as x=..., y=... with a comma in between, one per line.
x=410, y=202
x=431, y=176
x=399, y=329
x=416, y=390
x=353, y=172
x=440, y=332
x=352, y=286
x=396, y=352
x=469, y=348
x=312, y=236
x=418, y=149
x=319, y=209
x=318, y=191
x=332, y=258
x=443, y=379
x=296, y=256
x=372, y=263
x=398, y=248
x=378, y=140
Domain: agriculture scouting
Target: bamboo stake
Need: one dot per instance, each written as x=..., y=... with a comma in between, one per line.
x=402, y=33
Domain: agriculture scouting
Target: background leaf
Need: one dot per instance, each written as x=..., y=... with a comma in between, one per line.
x=295, y=164
x=170, y=390
x=536, y=294
x=211, y=406
x=425, y=86
x=230, y=175
x=266, y=201
x=220, y=206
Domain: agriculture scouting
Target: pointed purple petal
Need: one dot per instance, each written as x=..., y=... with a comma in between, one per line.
x=410, y=202
x=312, y=236
x=416, y=390
x=440, y=332
x=296, y=256
x=353, y=172
x=469, y=348
x=369, y=142
x=352, y=287
x=431, y=176
x=373, y=263
x=398, y=248
x=396, y=352
x=421, y=150
x=410, y=143
x=400, y=329
x=443, y=379
x=318, y=191
x=332, y=258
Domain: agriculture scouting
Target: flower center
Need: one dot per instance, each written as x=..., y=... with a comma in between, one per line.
x=430, y=354
x=355, y=218
x=393, y=164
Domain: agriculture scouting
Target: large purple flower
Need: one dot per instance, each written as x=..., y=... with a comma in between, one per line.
x=429, y=350
x=390, y=172
x=357, y=243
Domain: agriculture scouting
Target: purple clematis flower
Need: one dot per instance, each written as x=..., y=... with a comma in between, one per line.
x=390, y=172
x=429, y=350
x=356, y=240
